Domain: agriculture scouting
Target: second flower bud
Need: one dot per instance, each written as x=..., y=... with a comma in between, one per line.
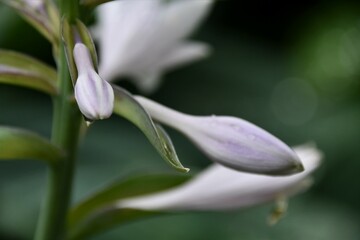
x=94, y=95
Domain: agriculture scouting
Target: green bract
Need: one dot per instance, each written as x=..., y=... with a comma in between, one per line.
x=127, y=107
x=88, y=41
x=69, y=35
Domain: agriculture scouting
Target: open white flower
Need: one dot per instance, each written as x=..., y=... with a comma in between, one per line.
x=141, y=39
x=230, y=141
x=94, y=96
x=221, y=188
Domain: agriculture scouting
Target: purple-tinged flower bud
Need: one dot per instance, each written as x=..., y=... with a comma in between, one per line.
x=230, y=141
x=94, y=96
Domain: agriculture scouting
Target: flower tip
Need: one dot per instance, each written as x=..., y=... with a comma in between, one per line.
x=293, y=166
x=294, y=169
x=299, y=168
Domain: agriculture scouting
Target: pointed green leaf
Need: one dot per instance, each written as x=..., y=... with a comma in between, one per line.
x=108, y=218
x=22, y=144
x=97, y=213
x=22, y=61
x=88, y=41
x=54, y=17
x=72, y=34
x=26, y=79
x=68, y=38
x=20, y=69
x=37, y=19
x=127, y=107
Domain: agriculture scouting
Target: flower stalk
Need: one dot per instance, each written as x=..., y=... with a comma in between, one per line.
x=67, y=120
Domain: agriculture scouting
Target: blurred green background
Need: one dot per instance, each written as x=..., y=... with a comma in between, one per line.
x=292, y=68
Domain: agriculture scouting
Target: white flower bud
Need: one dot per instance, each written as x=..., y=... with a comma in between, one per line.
x=221, y=188
x=230, y=141
x=94, y=96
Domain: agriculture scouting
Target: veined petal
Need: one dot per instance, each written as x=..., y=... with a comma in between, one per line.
x=230, y=141
x=220, y=188
x=94, y=96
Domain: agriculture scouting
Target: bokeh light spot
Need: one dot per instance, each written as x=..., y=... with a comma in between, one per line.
x=294, y=101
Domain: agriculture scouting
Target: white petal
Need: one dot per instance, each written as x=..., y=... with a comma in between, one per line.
x=141, y=39
x=185, y=53
x=220, y=188
x=124, y=31
x=95, y=97
x=176, y=21
x=147, y=82
x=182, y=17
x=82, y=59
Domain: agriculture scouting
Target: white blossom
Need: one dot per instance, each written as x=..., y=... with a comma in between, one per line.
x=141, y=39
x=221, y=188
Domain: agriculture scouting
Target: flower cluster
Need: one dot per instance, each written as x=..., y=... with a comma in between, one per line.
x=142, y=40
x=150, y=39
x=136, y=49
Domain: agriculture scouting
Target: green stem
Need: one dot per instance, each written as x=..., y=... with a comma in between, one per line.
x=69, y=9
x=65, y=134
x=93, y=3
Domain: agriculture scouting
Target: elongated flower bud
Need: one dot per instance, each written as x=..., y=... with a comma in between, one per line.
x=220, y=188
x=94, y=96
x=230, y=141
